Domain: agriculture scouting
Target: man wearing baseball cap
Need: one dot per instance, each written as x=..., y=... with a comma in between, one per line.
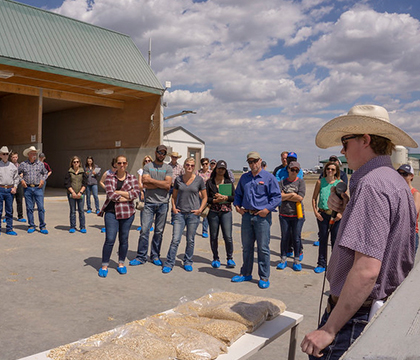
x=157, y=180
x=375, y=246
x=256, y=197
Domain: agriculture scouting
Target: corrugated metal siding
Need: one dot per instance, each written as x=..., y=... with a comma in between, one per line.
x=46, y=38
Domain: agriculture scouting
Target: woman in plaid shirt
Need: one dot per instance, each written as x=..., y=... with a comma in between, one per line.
x=122, y=189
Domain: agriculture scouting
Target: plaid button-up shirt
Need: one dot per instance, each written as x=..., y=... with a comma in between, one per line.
x=123, y=210
x=33, y=173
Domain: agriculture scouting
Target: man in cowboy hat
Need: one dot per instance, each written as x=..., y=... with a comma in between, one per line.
x=9, y=181
x=375, y=246
x=33, y=174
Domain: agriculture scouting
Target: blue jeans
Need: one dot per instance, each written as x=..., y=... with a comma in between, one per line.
x=323, y=237
x=79, y=203
x=92, y=190
x=7, y=197
x=221, y=219
x=35, y=195
x=180, y=221
x=205, y=226
x=114, y=226
x=345, y=337
x=152, y=212
x=256, y=228
x=290, y=225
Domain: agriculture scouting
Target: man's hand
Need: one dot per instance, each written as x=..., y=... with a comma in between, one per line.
x=337, y=204
x=13, y=191
x=262, y=213
x=314, y=342
x=196, y=212
x=41, y=184
x=175, y=211
x=240, y=210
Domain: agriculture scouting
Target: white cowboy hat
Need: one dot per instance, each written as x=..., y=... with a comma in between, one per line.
x=175, y=154
x=29, y=149
x=362, y=119
x=4, y=150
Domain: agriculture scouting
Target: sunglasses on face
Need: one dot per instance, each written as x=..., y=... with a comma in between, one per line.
x=253, y=161
x=294, y=170
x=190, y=165
x=122, y=163
x=403, y=173
x=345, y=139
x=330, y=169
x=76, y=161
x=205, y=163
x=161, y=152
x=147, y=160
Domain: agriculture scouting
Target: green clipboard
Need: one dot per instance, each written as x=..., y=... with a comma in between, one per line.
x=225, y=189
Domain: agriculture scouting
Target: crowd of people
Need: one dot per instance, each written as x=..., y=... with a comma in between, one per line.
x=373, y=226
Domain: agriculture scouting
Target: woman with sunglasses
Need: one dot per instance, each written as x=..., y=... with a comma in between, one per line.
x=407, y=172
x=122, y=189
x=322, y=191
x=189, y=199
x=220, y=214
x=147, y=159
x=93, y=173
x=75, y=182
x=292, y=192
x=105, y=174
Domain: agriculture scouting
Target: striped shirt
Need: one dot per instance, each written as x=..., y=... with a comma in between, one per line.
x=123, y=210
x=379, y=221
x=33, y=173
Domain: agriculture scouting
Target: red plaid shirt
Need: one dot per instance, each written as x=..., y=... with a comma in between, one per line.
x=123, y=210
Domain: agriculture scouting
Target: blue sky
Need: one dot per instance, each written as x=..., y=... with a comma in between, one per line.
x=266, y=75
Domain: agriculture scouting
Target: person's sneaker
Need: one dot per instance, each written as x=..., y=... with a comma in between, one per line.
x=83, y=231
x=188, y=268
x=11, y=233
x=263, y=284
x=215, y=264
x=281, y=265
x=139, y=228
x=230, y=264
x=316, y=243
x=301, y=256
x=297, y=267
x=136, y=262
x=289, y=254
x=205, y=235
x=4, y=220
x=72, y=231
x=151, y=229
x=157, y=262
x=103, y=272
x=103, y=230
x=319, y=269
x=97, y=212
x=31, y=230
x=166, y=269
x=122, y=270
x=241, y=278
x=44, y=231
x=22, y=220
x=89, y=211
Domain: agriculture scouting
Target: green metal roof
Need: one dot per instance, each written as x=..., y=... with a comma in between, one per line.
x=341, y=158
x=42, y=40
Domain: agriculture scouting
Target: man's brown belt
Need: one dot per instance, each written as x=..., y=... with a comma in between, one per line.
x=252, y=212
x=6, y=186
x=33, y=185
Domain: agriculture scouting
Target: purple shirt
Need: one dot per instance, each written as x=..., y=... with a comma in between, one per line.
x=380, y=222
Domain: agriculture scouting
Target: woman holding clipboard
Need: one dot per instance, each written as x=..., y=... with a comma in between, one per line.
x=220, y=192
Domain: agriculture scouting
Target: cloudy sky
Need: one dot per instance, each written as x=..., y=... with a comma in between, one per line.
x=266, y=75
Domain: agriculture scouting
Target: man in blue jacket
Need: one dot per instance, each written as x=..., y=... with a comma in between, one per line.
x=256, y=197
